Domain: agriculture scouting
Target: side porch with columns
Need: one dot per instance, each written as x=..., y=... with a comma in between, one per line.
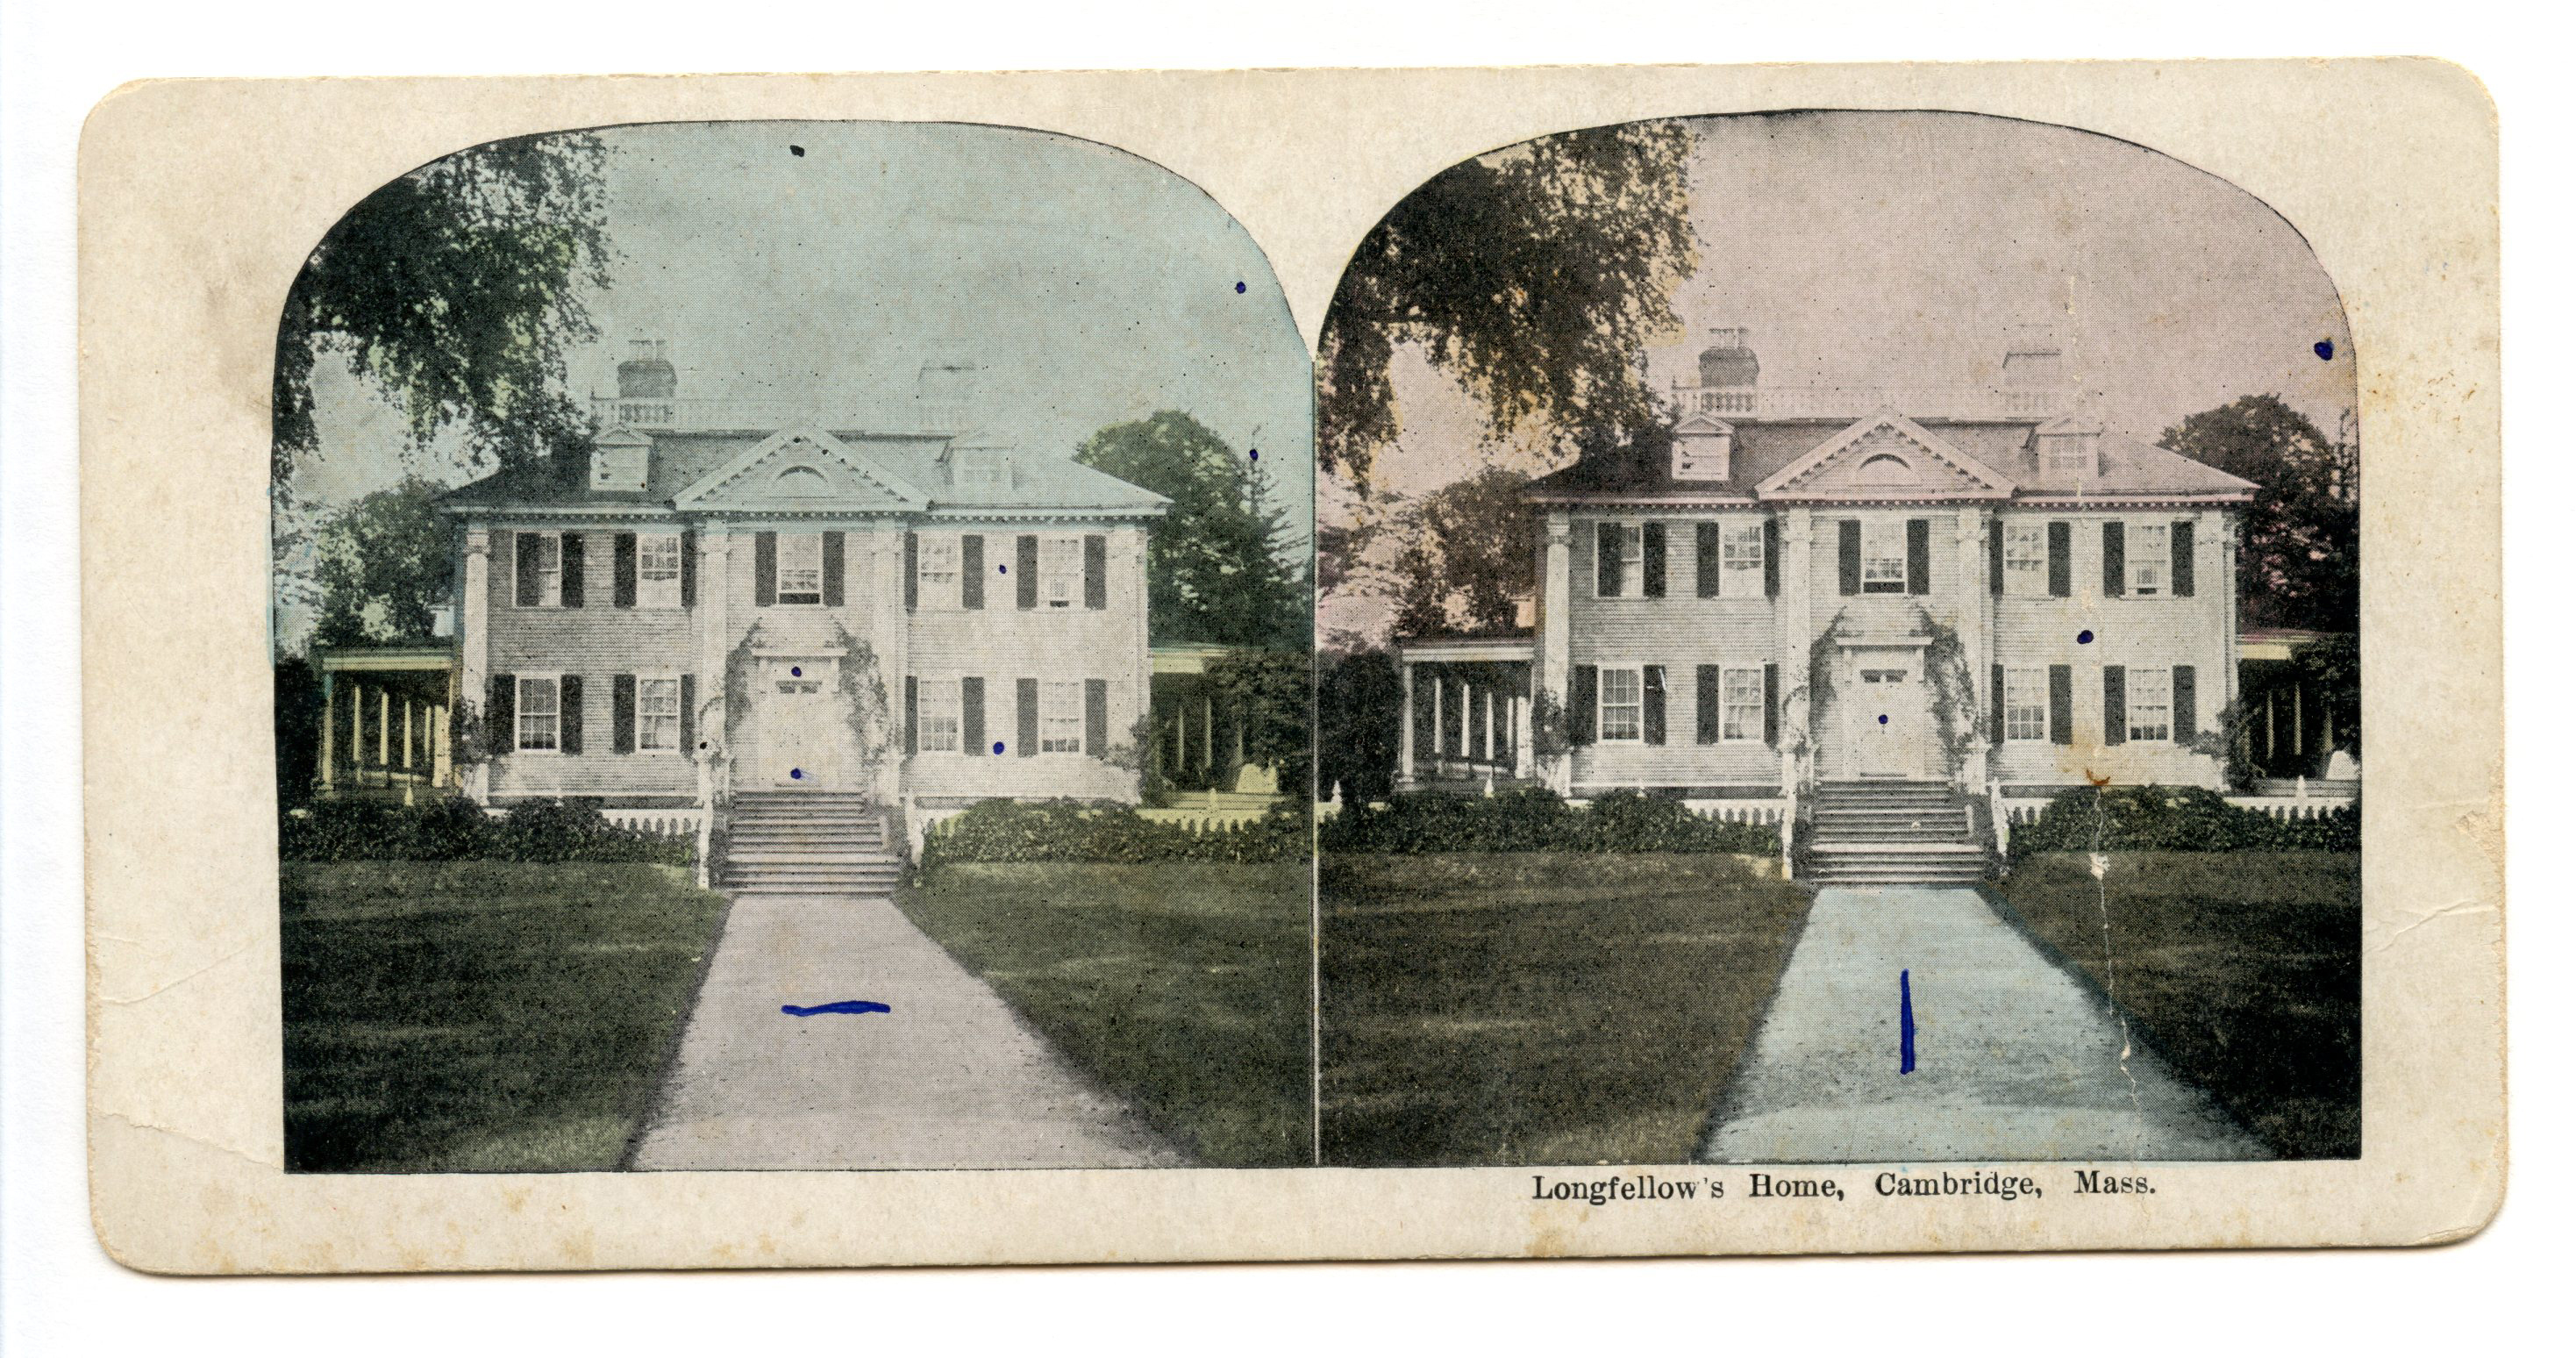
x=1466, y=712
x=385, y=721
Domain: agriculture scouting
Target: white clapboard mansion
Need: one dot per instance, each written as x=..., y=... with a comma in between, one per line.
x=1879, y=598
x=829, y=622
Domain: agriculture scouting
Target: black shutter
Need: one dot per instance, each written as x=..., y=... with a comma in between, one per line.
x=1028, y=569
x=2061, y=704
x=1771, y=706
x=911, y=714
x=568, y=702
x=621, y=588
x=1706, y=694
x=1654, y=536
x=501, y=715
x=1850, y=533
x=2115, y=704
x=1709, y=559
x=689, y=569
x=2182, y=544
x=525, y=566
x=1095, y=571
x=621, y=713
x=1995, y=555
x=1771, y=556
x=1582, y=705
x=1918, y=556
x=1654, y=686
x=911, y=571
x=689, y=715
x=2061, y=559
x=970, y=715
x=2186, y=704
x=1095, y=717
x=970, y=571
x=1995, y=707
x=573, y=561
x=2115, y=559
x=764, y=569
x=832, y=564
x=1028, y=695
x=1607, y=568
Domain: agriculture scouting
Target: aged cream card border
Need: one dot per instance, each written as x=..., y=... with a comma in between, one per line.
x=199, y=200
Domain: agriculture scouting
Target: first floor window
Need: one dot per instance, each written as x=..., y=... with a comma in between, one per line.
x=1742, y=545
x=2150, y=702
x=1741, y=705
x=1623, y=705
x=539, y=711
x=1882, y=556
x=657, y=570
x=2025, y=559
x=942, y=713
x=2026, y=704
x=1060, y=566
x=800, y=568
x=939, y=571
x=2148, y=547
x=1060, y=717
x=657, y=714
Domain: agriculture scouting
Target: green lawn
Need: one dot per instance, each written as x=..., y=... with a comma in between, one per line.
x=1181, y=987
x=1483, y=1009
x=2245, y=969
x=487, y=1016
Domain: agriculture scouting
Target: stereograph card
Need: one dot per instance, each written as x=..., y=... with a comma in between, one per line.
x=1132, y=666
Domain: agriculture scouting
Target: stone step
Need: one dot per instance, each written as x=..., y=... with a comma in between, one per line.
x=815, y=880
x=1822, y=845
x=852, y=857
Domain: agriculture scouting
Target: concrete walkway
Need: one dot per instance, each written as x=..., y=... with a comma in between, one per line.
x=950, y=1078
x=2015, y=1059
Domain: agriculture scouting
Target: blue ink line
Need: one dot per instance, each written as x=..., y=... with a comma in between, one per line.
x=1905, y=1022
x=836, y=1007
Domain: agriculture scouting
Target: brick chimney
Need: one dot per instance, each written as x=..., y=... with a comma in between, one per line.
x=647, y=373
x=2034, y=362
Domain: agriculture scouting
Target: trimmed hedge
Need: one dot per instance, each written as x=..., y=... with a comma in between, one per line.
x=2154, y=817
x=570, y=830
x=1534, y=819
x=1000, y=830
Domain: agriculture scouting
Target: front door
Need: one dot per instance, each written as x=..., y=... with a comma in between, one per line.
x=801, y=732
x=1889, y=715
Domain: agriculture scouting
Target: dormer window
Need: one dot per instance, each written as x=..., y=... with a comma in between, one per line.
x=980, y=469
x=620, y=462
x=1703, y=448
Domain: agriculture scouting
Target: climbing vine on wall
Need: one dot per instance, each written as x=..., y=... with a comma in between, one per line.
x=1956, y=720
x=1817, y=693
x=871, y=722
x=736, y=693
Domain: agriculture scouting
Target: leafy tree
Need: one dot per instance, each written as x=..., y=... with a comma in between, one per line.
x=1215, y=566
x=455, y=291
x=2299, y=559
x=1359, y=711
x=383, y=566
x=1535, y=276
x=1273, y=695
x=1421, y=601
x=2332, y=667
x=1482, y=539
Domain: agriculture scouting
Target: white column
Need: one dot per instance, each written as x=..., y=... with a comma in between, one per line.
x=715, y=643
x=1556, y=621
x=1797, y=624
x=1439, y=724
x=385, y=727
x=1489, y=726
x=441, y=758
x=408, y=761
x=1404, y=748
x=330, y=719
x=893, y=642
x=474, y=648
x=1520, y=735
x=2219, y=529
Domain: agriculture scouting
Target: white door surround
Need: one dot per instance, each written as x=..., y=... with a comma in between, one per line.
x=1887, y=712
x=803, y=737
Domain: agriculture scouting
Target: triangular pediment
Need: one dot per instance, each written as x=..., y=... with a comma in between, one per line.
x=802, y=470
x=1886, y=456
x=1703, y=423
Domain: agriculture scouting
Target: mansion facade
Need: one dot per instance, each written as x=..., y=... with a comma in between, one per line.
x=1974, y=587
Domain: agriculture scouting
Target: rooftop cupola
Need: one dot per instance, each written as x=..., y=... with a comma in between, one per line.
x=647, y=373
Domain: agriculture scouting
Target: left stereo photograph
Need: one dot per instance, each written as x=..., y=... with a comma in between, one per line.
x=793, y=650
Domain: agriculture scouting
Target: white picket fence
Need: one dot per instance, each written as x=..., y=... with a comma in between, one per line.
x=2304, y=804
x=675, y=821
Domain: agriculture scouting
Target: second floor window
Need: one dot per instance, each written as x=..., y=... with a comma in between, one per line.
x=800, y=568
x=1060, y=717
x=2150, y=703
x=1743, y=558
x=1623, y=705
x=1060, y=570
x=939, y=570
x=2026, y=704
x=657, y=714
x=1882, y=556
x=2025, y=559
x=2148, y=550
x=542, y=558
x=539, y=713
x=1622, y=574
x=657, y=570
x=941, y=715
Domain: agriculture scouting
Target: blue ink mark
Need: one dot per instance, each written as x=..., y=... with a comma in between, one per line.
x=1882, y=719
x=2085, y=637
x=1256, y=455
x=2325, y=350
x=997, y=747
x=1004, y=568
x=1238, y=288
x=1905, y=1022
x=796, y=773
x=796, y=671
x=836, y=1007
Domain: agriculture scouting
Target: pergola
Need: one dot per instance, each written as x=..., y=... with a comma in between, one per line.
x=385, y=719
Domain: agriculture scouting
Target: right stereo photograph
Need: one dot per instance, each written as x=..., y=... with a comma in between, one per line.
x=1838, y=642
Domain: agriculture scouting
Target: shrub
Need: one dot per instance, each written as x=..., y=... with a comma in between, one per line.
x=1535, y=819
x=2155, y=817
x=1066, y=831
x=571, y=830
